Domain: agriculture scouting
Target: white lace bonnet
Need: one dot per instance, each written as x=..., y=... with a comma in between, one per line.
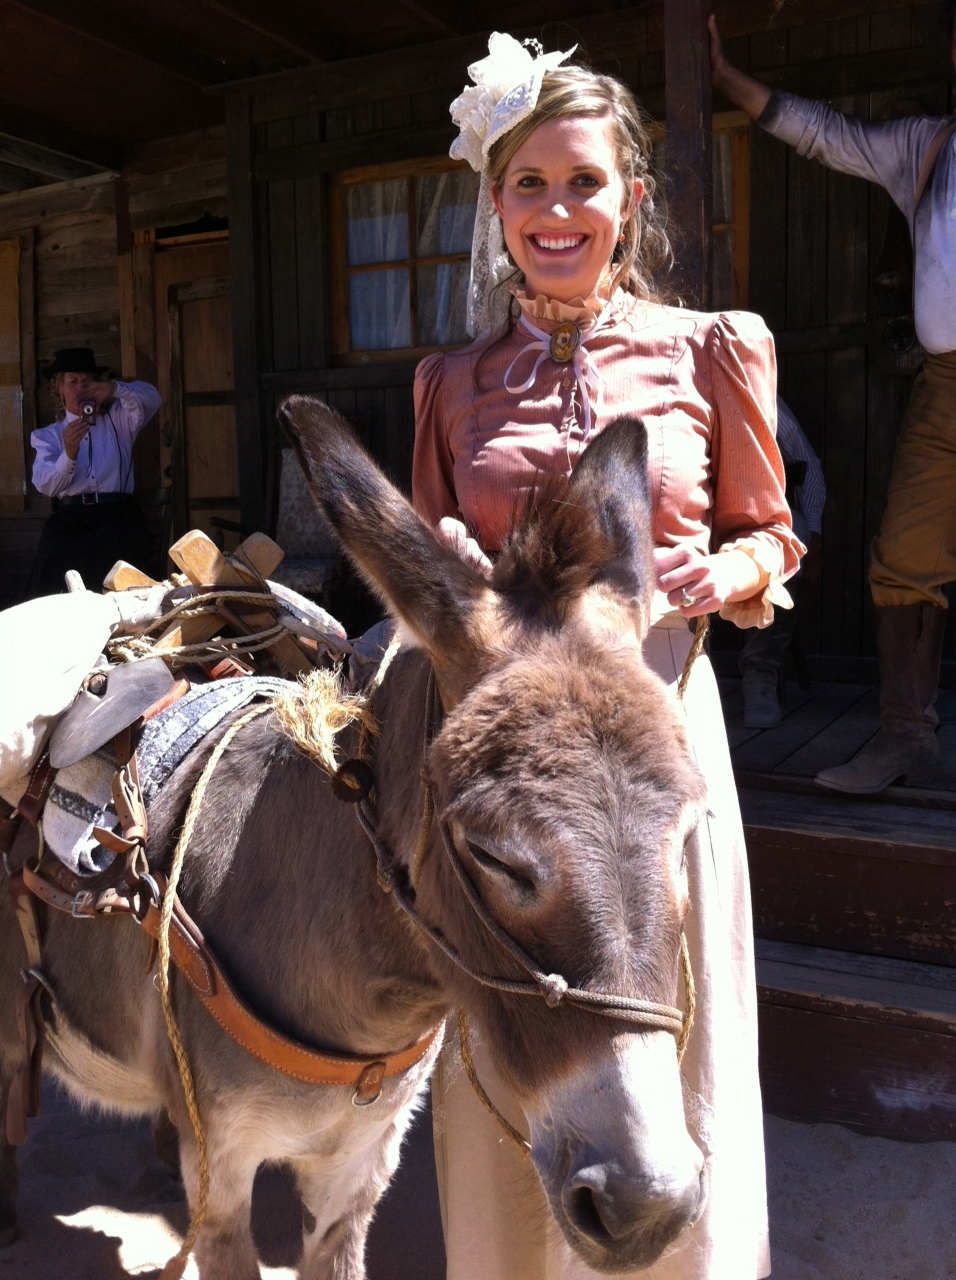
x=505, y=92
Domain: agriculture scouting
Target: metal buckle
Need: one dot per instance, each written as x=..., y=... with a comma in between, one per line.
x=89, y=499
x=368, y=1087
x=157, y=897
x=82, y=901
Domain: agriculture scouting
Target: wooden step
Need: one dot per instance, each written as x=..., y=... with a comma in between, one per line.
x=862, y=1041
x=852, y=874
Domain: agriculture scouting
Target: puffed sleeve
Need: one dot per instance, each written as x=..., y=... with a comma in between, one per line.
x=140, y=402
x=750, y=510
x=53, y=468
x=433, y=466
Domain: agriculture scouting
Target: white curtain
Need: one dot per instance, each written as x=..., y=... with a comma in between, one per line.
x=379, y=300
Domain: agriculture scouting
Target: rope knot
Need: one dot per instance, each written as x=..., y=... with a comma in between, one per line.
x=555, y=988
x=387, y=878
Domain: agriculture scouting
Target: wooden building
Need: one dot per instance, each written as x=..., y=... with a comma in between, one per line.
x=238, y=200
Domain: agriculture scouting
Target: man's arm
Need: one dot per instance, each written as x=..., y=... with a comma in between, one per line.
x=742, y=90
x=888, y=153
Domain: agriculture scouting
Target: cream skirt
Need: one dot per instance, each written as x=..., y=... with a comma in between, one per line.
x=496, y=1219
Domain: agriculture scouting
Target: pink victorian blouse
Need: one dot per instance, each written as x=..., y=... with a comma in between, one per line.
x=704, y=386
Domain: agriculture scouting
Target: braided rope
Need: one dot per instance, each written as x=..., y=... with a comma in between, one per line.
x=464, y=1042
x=138, y=648
x=175, y=1267
x=700, y=635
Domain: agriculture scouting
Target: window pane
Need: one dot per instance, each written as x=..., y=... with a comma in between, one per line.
x=442, y=294
x=378, y=310
x=377, y=217
x=723, y=282
x=446, y=204
x=723, y=177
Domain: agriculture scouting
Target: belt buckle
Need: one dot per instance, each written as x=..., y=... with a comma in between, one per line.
x=89, y=499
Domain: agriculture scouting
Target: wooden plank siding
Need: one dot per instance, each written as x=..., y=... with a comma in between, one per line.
x=83, y=286
x=815, y=238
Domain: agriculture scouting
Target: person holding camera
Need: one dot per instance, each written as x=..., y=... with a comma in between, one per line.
x=84, y=462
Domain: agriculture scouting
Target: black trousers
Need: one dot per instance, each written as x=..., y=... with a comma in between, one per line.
x=89, y=539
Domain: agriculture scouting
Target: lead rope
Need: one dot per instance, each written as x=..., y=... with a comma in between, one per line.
x=175, y=1267
x=690, y=987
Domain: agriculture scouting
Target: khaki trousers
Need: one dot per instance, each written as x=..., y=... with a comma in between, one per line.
x=914, y=554
x=495, y=1216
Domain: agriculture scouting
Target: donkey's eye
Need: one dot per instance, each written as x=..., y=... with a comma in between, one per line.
x=497, y=867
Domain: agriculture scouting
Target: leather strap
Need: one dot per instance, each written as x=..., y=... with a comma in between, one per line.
x=9, y=825
x=23, y=1100
x=197, y=964
x=38, y=788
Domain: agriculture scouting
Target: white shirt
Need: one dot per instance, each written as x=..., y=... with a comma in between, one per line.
x=890, y=154
x=104, y=462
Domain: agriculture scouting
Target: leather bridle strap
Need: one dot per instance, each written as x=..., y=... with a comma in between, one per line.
x=198, y=966
x=553, y=988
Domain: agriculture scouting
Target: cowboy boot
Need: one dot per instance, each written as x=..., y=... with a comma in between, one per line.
x=909, y=641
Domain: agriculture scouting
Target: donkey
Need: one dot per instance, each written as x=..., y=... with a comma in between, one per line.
x=564, y=790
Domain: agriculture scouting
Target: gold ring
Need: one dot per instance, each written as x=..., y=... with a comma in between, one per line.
x=686, y=599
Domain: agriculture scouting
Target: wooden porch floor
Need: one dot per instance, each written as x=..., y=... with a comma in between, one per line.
x=823, y=726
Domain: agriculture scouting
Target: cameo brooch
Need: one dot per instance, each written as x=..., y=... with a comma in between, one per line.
x=564, y=341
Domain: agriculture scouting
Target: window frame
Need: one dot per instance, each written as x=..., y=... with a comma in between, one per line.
x=737, y=124
x=340, y=271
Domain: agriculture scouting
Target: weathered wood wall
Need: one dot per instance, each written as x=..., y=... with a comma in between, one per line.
x=817, y=240
x=77, y=229
x=285, y=139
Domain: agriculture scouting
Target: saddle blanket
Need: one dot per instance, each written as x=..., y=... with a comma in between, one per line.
x=81, y=796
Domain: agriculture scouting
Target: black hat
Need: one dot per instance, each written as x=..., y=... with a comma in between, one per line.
x=75, y=360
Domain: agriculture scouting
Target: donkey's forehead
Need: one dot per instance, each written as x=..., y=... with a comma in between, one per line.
x=568, y=710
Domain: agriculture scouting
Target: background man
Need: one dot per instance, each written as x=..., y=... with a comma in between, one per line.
x=914, y=555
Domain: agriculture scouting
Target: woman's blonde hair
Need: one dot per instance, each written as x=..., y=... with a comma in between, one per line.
x=642, y=260
x=59, y=404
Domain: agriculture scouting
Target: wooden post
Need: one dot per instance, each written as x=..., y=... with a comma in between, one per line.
x=688, y=148
x=251, y=434
x=124, y=271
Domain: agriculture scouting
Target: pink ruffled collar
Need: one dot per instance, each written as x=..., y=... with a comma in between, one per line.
x=544, y=312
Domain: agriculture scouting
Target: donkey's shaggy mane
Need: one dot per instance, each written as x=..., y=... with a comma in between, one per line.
x=316, y=711
x=556, y=550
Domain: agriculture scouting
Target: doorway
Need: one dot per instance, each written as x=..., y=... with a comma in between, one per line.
x=198, y=456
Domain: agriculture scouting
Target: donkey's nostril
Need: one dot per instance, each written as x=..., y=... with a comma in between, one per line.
x=610, y=1210
x=582, y=1209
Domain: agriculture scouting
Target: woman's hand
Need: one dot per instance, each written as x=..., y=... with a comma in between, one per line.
x=698, y=584
x=456, y=535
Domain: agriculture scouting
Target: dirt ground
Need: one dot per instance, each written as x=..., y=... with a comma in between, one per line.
x=96, y=1204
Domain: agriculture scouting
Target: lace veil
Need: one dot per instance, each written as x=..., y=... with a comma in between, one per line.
x=505, y=91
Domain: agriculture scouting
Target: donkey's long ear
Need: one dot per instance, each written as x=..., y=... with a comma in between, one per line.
x=421, y=581
x=611, y=479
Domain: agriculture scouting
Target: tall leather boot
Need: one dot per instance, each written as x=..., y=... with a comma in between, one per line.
x=909, y=642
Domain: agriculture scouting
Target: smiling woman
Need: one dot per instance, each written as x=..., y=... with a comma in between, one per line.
x=563, y=204
x=573, y=335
